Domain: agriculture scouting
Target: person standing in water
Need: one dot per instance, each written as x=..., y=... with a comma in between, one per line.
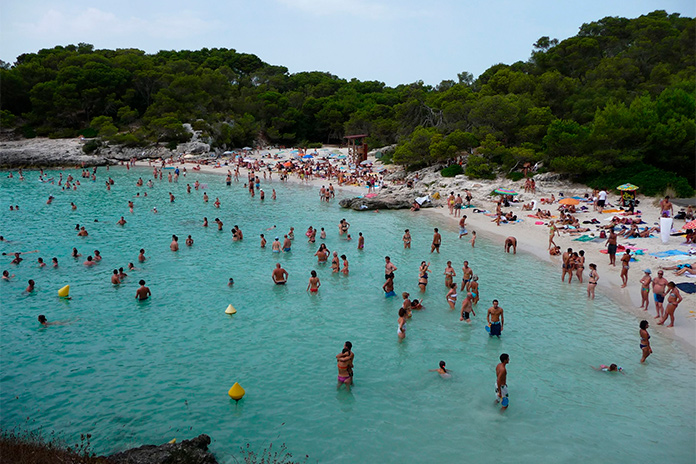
x=592, y=284
x=501, y=390
x=314, y=283
x=644, y=340
x=495, y=319
x=143, y=293
x=174, y=246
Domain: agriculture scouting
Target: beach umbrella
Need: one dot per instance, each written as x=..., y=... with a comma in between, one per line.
x=246, y=148
x=690, y=225
x=308, y=156
x=341, y=157
x=502, y=191
x=627, y=187
x=288, y=164
x=366, y=162
x=569, y=201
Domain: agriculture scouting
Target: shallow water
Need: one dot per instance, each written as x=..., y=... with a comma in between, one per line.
x=131, y=373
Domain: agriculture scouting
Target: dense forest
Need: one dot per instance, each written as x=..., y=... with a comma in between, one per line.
x=616, y=101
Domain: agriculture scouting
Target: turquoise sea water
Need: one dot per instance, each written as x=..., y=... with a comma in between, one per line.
x=131, y=373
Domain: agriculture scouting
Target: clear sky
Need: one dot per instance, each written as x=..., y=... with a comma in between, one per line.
x=393, y=41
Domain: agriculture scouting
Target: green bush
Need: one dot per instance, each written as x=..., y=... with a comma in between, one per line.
x=64, y=133
x=478, y=168
x=7, y=119
x=515, y=176
x=91, y=145
x=451, y=171
x=651, y=180
x=88, y=133
x=315, y=145
x=28, y=132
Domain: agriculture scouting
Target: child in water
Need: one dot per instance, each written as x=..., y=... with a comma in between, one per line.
x=610, y=368
x=442, y=370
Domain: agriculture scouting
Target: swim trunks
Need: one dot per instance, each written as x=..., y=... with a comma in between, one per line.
x=496, y=328
x=659, y=298
x=466, y=316
x=462, y=231
x=600, y=202
x=286, y=249
x=611, y=249
x=388, y=294
x=280, y=283
x=503, y=390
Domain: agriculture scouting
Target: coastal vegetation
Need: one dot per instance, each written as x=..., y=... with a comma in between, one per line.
x=614, y=103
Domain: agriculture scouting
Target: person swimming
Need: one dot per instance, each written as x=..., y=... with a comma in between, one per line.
x=442, y=370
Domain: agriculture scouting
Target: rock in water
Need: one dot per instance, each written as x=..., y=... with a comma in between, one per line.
x=188, y=451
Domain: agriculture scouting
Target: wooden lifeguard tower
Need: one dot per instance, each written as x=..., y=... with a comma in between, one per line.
x=357, y=148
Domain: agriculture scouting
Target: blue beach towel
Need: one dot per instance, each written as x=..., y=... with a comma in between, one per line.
x=687, y=287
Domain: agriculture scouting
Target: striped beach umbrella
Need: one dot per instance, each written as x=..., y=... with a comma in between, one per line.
x=502, y=191
x=627, y=187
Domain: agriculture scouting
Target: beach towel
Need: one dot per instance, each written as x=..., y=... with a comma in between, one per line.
x=611, y=211
x=687, y=287
x=667, y=253
x=584, y=238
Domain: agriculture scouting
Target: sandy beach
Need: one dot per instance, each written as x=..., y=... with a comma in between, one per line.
x=533, y=238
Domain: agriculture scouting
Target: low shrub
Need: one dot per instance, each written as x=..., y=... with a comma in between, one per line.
x=91, y=145
x=651, y=180
x=453, y=170
x=315, y=145
x=515, y=176
x=478, y=168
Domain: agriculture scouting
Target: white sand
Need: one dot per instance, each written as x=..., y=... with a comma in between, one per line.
x=534, y=239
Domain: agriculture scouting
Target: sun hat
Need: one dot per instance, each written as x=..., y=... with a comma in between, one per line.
x=647, y=271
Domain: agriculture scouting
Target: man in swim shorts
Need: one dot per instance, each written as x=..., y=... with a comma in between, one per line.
x=659, y=284
x=495, y=319
x=287, y=244
x=389, y=268
x=279, y=275
x=611, y=247
x=388, y=287
x=501, y=391
x=462, y=226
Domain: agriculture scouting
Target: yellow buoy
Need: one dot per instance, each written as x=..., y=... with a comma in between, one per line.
x=64, y=292
x=236, y=392
x=172, y=441
x=230, y=310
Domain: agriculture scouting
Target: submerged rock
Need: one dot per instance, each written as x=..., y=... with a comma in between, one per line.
x=186, y=452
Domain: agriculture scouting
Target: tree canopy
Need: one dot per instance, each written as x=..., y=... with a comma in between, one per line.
x=620, y=92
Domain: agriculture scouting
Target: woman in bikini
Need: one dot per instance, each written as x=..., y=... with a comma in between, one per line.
x=401, y=329
x=580, y=265
x=673, y=301
x=452, y=295
x=407, y=239
x=335, y=267
x=474, y=289
x=592, y=284
x=343, y=361
x=314, y=283
x=449, y=274
x=645, y=289
x=644, y=340
x=423, y=276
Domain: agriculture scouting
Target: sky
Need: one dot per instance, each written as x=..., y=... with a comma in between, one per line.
x=391, y=41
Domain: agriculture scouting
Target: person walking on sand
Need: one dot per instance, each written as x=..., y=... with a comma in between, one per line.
x=552, y=232
x=645, y=282
x=592, y=284
x=624, y=267
x=644, y=340
x=659, y=284
x=673, y=301
x=611, y=247
x=501, y=390
x=462, y=227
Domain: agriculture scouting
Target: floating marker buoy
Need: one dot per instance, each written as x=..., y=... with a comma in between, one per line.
x=236, y=392
x=172, y=441
x=64, y=292
x=230, y=310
